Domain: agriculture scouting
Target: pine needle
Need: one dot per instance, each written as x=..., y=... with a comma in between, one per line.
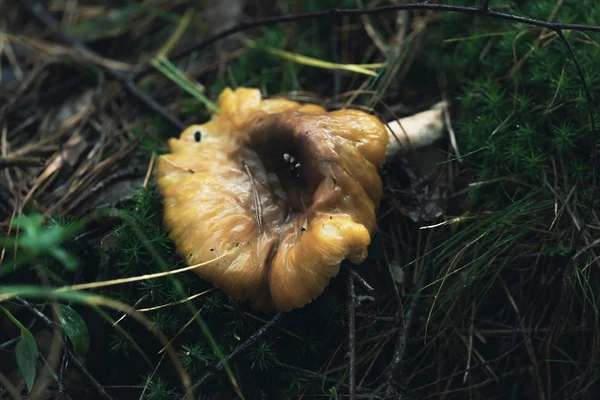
x=314, y=62
x=92, y=285
x=173, y=73
x=181, y=27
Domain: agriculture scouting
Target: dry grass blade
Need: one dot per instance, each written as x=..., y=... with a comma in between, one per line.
x=304, y=60
x=93, y=285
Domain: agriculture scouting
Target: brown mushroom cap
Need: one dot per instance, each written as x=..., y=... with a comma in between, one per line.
x=280, y=192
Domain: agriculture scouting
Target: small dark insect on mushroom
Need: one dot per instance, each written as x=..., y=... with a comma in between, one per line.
x=198, y=136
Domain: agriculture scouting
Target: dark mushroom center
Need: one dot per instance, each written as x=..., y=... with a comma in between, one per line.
x=290, y=156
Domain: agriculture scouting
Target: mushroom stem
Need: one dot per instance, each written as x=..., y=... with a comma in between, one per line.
x=416, y=131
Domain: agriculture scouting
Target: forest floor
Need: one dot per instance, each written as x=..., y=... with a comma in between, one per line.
x=482, y=280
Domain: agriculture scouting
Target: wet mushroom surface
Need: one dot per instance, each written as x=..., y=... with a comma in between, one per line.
x=276, y=193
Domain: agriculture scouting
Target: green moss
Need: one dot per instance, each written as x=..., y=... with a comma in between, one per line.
x=526, y=134
x=549, y=117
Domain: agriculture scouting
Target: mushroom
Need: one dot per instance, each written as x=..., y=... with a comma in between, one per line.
x=276, y=193
x=270, y=196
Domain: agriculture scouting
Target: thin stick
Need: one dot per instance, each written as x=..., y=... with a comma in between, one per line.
x=316, y=375
x=257, y=204
x=361, y=280
x=72, y=357
x=483, y=364
x=37, y=9
x=10, y=388
x=485, y=6
x=192, y=297
x=149, y=170
x=241, y=348
x=93, y=285
x=397, y=364
x=351, y=307
x=278, y=19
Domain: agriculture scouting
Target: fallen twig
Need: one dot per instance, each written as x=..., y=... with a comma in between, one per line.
x=37, y=9
x=240, y=349
x=351, y=308
x=395, y=379
x=324, y=378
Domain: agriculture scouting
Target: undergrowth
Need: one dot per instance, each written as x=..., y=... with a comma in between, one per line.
x=524, y=127
x=510, y=304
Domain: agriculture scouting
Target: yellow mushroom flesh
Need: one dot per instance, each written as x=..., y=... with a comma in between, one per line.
x=280, y=193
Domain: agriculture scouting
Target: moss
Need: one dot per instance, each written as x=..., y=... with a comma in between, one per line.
x=526, y=134
x=517, y=123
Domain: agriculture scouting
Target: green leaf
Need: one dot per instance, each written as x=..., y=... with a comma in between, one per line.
x=69, y=261
x=75, y=328
x=38, y=239
x=43, y=240
x=333, y=394
x=27, y=352
x=29, y=223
